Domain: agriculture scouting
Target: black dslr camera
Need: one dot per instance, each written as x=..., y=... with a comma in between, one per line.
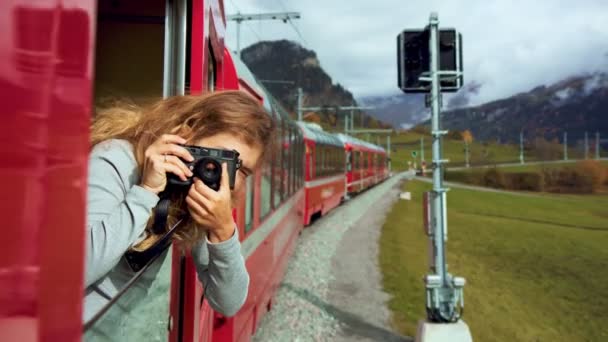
x=207, y=166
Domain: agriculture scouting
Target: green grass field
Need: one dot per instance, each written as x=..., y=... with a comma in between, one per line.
x=536, y=266
x=538, y=167
x=404, y=143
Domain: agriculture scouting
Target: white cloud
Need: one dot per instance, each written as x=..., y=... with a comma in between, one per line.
x=509, y=45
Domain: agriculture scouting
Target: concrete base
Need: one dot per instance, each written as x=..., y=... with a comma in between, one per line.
x=443, y=332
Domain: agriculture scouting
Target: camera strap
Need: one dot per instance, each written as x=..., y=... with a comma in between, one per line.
x=160, y=214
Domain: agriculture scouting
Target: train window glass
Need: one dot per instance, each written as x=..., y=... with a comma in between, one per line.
x=293, y=149
x=141, y=313
x=301, y=162
x=349, y=161
x=265, y=193
x=285, y=169
x=249, y=203
x=278, y=156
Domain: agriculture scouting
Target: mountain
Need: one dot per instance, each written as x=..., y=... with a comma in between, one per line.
x=277, y=63
x=399, y=110
x=574, y=105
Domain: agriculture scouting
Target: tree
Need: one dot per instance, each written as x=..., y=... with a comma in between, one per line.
x=467, y=136
x=312, y=117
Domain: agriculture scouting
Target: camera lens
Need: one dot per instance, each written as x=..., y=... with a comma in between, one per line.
x=209, y=171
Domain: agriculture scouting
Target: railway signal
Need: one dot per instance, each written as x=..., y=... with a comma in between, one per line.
x=430, y=60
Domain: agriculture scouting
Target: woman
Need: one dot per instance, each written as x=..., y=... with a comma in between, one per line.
x=133, y=151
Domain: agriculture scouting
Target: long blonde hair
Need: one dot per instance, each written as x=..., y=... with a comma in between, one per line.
x=193, y=117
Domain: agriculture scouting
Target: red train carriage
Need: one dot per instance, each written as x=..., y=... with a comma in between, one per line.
x=324, y=164
x=52, y=55
x=271, y=217
x=365, y=163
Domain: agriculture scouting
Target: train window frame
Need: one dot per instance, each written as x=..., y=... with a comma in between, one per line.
x=175, y=18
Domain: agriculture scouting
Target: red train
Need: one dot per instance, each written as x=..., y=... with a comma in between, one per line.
x=60, y=58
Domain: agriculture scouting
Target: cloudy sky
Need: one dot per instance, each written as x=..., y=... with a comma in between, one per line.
x=509, y=45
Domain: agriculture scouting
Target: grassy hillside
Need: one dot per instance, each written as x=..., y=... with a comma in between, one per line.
x=535, y=265
x=404, y=143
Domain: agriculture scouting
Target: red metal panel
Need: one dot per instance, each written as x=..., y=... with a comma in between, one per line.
x=45, y=80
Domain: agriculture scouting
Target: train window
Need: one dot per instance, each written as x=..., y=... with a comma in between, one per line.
x=285, y=169
x=265, y=193
x=141, y=313
x=249, y=203
x=293, y=149
x=349, y=161
x=277, y=188
x=140, y=56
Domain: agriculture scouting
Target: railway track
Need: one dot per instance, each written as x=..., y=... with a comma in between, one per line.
x=332, y=290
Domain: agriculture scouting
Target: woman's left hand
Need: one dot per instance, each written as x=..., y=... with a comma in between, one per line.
x=212, y=209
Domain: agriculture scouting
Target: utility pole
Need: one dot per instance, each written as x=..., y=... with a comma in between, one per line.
x=299, y=104
x=300, y=109
x=239, y=18
x=597, y=145
x=586, y=145
x=565, y=145
x=521, y=147
x=388, y=149
x=352, y=120
x=466, y=154
x=422, y=149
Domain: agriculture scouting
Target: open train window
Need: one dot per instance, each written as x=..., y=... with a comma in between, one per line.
x=141, y=56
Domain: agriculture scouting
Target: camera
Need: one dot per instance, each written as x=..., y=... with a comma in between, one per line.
x=207, y=166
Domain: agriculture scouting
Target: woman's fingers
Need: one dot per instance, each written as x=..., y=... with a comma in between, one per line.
x=225, y=181
x=172, y=139
x=176, y=150
x=179, y=163
x=197, y=211
x=205, y=190
x=199, y=197
x=165, y=166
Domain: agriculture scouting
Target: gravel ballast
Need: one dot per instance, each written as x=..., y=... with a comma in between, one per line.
x=332, y=287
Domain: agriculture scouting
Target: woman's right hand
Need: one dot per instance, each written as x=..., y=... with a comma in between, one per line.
x=162, y=157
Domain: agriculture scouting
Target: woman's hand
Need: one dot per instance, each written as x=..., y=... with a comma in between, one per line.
x=162, y=157
x=212, y=209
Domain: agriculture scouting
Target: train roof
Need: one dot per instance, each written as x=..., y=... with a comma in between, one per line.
x=347, y=139
x=316, y=133
x=246, y=75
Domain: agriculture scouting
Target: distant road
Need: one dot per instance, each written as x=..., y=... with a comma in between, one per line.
x=519, y=164
x=479, y=188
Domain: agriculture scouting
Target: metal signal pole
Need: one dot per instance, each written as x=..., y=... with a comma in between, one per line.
x=521, y=147
x=597, y=145
x=422, y=149
x=239, y=18
x=586, y=145
x=444, y=292
x=565, y=145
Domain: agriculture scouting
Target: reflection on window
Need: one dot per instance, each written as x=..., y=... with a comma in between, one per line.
x=249, y=204
x=265, y=193
x=142, y=312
